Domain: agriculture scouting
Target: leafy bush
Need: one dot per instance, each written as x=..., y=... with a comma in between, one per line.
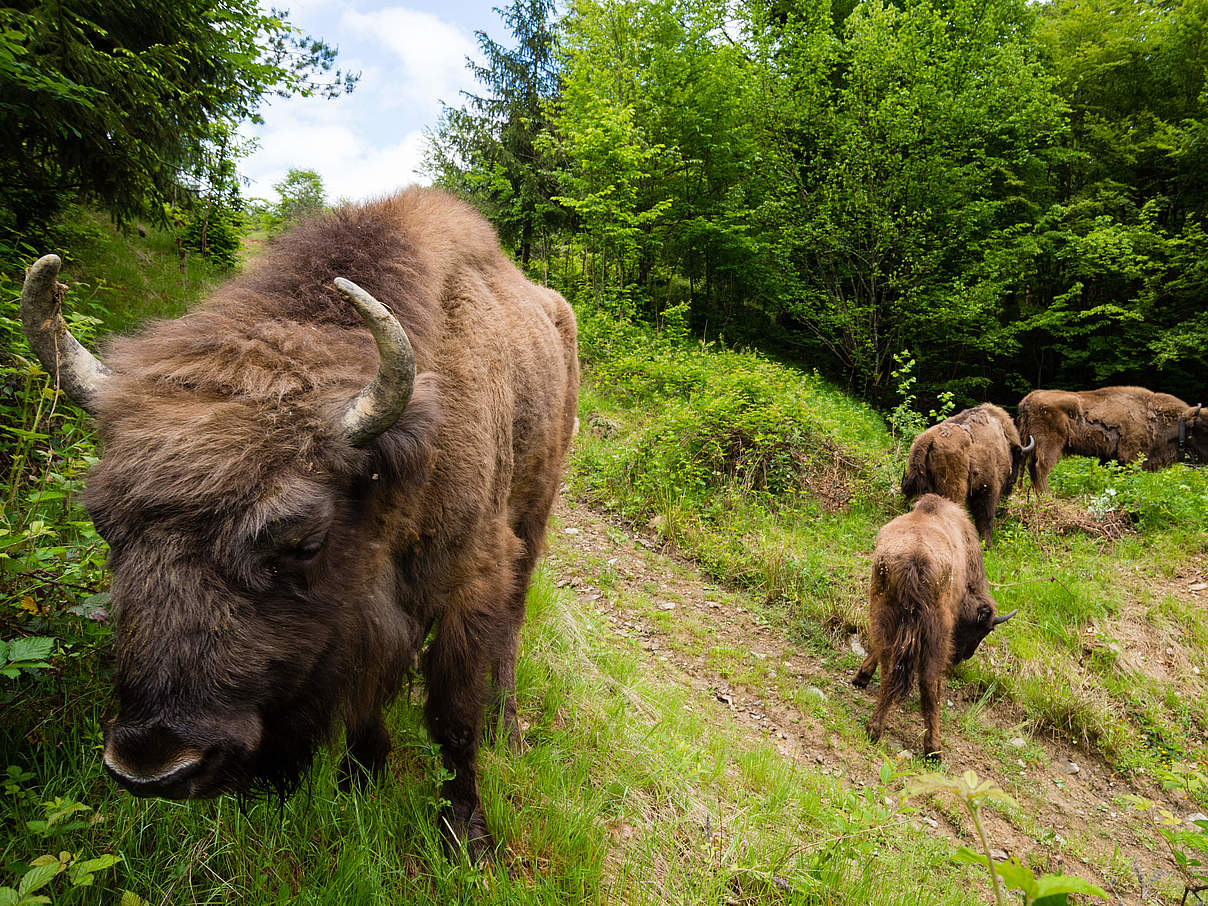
x=1168, y=498
x=722, y=420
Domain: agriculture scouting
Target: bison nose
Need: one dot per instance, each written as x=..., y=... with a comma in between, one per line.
x=151, y=761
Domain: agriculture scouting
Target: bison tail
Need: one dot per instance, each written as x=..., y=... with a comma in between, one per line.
x=914, y=588
x=917, y=480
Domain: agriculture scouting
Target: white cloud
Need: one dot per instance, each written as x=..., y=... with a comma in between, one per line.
x=369, y=142
x=432, y=54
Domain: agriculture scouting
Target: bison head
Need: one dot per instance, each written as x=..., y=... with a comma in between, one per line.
x=1193, y=435
x=968, y=634
x=248, y=526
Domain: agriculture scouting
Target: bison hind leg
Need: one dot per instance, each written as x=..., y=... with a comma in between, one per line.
x=865, y=674
x=368, y=746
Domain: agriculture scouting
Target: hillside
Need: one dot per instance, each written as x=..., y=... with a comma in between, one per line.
x=690, y=734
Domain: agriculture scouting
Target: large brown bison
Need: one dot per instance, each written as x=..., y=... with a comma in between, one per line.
x=302, y=480
x=929, y=608
x=972, y=458
x=1111, y=423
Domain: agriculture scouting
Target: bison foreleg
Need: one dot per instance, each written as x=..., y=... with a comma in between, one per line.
x=368, y=746
x=454, y=670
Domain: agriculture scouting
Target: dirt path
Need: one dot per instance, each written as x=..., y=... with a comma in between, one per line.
x=736, y=654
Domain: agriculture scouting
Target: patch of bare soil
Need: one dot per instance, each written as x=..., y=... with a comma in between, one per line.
x=1071, y=814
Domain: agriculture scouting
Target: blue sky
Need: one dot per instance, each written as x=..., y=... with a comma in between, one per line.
x=369, y=143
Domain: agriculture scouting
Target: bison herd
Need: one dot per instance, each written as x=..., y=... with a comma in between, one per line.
x=309, y=485
x=929, y=604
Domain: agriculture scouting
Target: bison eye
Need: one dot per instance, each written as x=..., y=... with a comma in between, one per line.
x=308, y=548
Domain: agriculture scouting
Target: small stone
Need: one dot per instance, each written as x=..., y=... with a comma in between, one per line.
x=857, y=649
x=904, y=755
x=666, y=605
x=1017, y=742
x=1198, y=586
x=998, y=855
x=656, y=523
x=1193, y=818
x=950, y=703
x=815, y=692
x=930, y=822
x=1071, y=768
x=571, y=531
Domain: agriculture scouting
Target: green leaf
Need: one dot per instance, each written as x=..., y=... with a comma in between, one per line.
x=81, y=873
x=1051, y=885
x=1017, y=876
x=38, y=877
x=31, y=648
x=130, y=899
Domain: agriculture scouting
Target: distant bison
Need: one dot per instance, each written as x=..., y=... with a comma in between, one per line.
x=304, y=480
x=929, y=608
x=972, y=458
x=1112, y=423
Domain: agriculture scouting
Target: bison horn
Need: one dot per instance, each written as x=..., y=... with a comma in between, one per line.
x=74, y=368
x=380, y=404
x=1030, y=447
x=998, y=621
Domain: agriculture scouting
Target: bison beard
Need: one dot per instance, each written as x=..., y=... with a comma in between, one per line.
x=929, y=609
x=291, y=511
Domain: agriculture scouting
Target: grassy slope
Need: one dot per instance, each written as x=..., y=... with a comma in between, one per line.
x=666, y=459
x=630, y=788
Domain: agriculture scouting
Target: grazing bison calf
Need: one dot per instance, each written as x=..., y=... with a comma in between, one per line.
x=1111, y=423
x=971, y=458
x=929, y=608
x=302, y=479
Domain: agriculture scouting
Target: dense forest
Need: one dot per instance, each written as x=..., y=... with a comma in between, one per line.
x=1014, y=193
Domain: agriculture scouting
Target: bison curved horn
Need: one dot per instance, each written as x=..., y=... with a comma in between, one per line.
x=73, y=367
x=998, y=621
x=1030, y=447
x=382, y=401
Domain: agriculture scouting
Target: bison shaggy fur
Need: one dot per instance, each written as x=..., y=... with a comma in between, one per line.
x=275, y=577
x=929, y=608
x=972, y=458
x=1111, y=424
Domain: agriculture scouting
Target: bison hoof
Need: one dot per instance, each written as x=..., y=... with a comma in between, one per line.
x=505, y=729
x=874, y=732
x=861, y=679
x=933, y=753
x=468, y=837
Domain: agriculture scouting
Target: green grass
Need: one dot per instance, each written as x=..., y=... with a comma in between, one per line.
x=775, y=482
x=627, y=790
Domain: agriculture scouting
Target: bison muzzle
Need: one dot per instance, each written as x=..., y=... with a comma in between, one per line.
x=929, y=608
x=306, y=478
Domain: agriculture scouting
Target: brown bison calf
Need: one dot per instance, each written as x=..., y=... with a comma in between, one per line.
x=929, y=608
x=972, y=458
x=305, y=479
x=1111, y=424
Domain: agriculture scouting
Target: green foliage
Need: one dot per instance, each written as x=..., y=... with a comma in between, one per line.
x=973, y=793
x=1012, y=191
x=488, y=149
x=301, y=195
x=1169, y=498
x=1187, y=839
x=126, y=102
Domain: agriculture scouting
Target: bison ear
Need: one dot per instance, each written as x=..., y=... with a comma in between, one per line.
x=985, y=613
x=406, y=453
